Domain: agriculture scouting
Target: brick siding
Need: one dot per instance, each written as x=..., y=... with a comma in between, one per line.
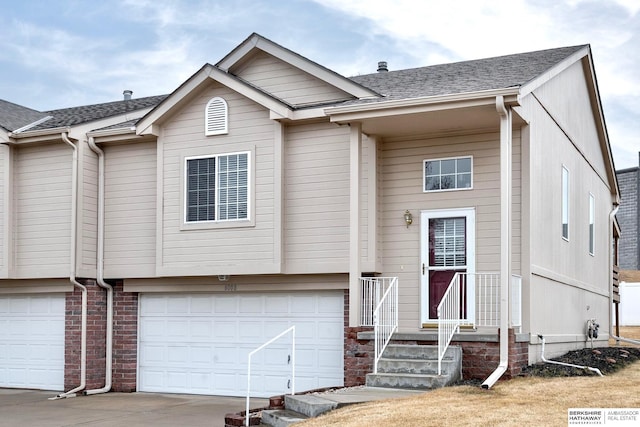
x=125, y=319
x=125, y=339
x=96, y=336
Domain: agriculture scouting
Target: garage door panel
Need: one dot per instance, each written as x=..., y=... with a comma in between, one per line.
x=225, y=304
x=32, y=337
x=251, y=305
x=234, y=325
x=276, y=305
x=224, y=330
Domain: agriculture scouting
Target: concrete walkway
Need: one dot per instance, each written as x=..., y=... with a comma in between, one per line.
x=31, y=408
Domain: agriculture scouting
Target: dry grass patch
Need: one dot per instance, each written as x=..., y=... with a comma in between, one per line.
x=522, y=401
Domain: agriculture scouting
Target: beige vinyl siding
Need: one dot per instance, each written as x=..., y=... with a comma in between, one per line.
x=250, y=283
x=42, y=195
x=316, y=213
x=368, y=161
x=563, y=270
x=287, y=82
x=567, y=99
x=4, y=181
x=402, y=181
x=550, y=150
x=88, y=195
x=232, y=247
x=130, y=210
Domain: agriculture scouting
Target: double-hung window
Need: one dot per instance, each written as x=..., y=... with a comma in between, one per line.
x=565, y=203
x=592, y=224
x=448, y=174
x=217, y=188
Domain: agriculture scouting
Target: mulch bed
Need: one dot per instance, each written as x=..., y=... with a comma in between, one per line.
x=606, y=359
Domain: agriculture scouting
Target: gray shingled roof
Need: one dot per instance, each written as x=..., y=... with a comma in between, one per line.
x=14, y=116
x=87, y=113
x=469, y=76
x=460, y=77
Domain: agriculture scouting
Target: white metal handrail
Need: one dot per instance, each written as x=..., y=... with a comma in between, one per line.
x=385, y=319
x=292, y=361
x=449, y=318
x=372, y=289
x=485, y=287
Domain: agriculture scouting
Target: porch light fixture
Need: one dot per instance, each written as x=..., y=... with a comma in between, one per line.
x=408, y=218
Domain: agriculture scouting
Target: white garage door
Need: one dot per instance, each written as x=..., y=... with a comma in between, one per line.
x=32, y=341
x=199, y=343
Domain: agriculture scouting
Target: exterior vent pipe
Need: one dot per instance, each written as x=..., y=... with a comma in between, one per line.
x=127, y=94
x=382, y=67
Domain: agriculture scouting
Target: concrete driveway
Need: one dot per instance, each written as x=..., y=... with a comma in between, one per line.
x=31, y=408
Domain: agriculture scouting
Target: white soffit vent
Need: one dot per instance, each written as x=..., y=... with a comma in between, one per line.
x=216, y=117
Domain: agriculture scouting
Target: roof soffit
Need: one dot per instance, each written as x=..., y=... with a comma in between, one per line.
x=245, y=50
x=423, y=104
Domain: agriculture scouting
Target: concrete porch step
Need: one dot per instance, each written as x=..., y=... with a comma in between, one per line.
x=298, y=407
x=408, y=381
x=423, y=352
x=417, y=366
x=281, y=417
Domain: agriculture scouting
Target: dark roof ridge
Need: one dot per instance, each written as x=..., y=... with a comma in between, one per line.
x=132, y=101
x=466, y=61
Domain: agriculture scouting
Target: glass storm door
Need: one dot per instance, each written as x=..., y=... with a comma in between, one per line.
x=447, y=248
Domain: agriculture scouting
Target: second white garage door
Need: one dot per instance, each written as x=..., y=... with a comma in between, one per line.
x=199, y=343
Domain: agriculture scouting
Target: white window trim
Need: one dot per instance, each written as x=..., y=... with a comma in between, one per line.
x=424, y=175
x=592, y=224
x=222, y=115
x=425, y=216
x=565, y=202
x=226, y=223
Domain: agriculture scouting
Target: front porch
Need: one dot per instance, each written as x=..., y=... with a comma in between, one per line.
x=473, y=326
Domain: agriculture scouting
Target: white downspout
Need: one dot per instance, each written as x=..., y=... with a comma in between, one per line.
x=505, y=239
x=596, y=370
x=72, y=273
x=100, y=279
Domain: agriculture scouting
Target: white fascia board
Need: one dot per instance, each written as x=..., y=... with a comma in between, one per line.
x=298, y=61
x=535, y=83
x=112, y=132
x=305, y=114
x=146, y=126
x=40, y=135
x=419, y=105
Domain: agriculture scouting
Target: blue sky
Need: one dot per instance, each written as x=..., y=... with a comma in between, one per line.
x=62, y=53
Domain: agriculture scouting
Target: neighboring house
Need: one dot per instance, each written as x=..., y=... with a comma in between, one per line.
x=268, y=191
x=628, y=245
x=628, y=249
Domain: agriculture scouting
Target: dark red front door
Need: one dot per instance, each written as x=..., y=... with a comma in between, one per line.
x=447, y=255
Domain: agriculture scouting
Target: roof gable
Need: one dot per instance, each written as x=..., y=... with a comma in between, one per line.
x=255, y=42
x=287, y=82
